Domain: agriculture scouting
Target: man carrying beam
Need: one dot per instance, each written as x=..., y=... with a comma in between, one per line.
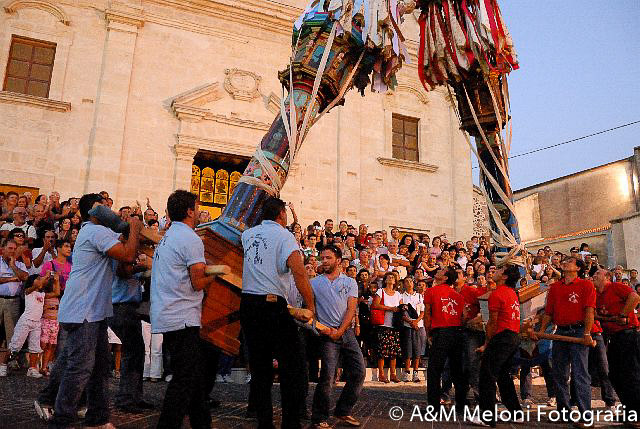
x=570, y=305
x=178, y=281
x=271, y=255
x=615, y=304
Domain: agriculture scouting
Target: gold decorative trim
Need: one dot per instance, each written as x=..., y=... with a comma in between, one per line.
x=241, y=84
x=410, y=165
x=54, y=10
x=32, y=100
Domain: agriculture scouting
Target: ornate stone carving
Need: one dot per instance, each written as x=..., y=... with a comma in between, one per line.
x=242, y=85
x=54, y=10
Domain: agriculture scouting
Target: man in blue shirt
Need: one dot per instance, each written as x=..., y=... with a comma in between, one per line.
x=271, y=255
x=336, y=298
x=84, y=308
x=178, y=282
x=126, y=297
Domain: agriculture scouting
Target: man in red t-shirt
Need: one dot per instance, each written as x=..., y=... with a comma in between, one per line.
x=616, y=303
x=501, y=344
x=473, y=334
x=570, y=305
x=443, y=319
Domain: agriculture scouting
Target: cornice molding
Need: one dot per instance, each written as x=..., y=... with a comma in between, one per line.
x=45, y=6
x=32, y=100
x=185, y=151
x=215, y=145
x=125, y=18
x=199, y=96
x=193, y=27
x=409, y=165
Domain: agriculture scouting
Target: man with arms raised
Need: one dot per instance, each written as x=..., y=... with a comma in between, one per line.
x=271, y=256
x=336, y=299
x=84, y=308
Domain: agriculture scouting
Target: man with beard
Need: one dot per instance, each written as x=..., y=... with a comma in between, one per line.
x=336, y=299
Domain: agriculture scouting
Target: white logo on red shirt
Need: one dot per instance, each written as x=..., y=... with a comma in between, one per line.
x=448, y=306
x=515, y=311
x=573, y=298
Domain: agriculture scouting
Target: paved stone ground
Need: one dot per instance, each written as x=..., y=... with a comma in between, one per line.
x=17, y=393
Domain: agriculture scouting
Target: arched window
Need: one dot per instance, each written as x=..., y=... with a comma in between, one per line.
x=206, y=185
x=222, y=187
x=195, y=180
x=233, y=181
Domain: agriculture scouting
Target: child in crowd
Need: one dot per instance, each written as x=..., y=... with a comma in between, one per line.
x=50, y=327
x=28, y=326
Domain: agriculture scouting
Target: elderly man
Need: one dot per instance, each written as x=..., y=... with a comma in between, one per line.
x=19, y=221
x=12, y=274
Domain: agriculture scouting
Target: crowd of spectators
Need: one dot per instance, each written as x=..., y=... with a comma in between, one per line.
x=38, y=235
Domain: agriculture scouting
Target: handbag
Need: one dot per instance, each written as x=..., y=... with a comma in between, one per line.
x=377, y=316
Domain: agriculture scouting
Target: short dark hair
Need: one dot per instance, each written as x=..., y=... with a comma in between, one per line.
x=12, y=193
x=124, y=207
x=86, y=203
x=152, y=222
x=384, y=256
x=61, y=242
x=328, y=220
x=452, y=276
x=272, y=207
x=15, y=231
x=178, y=203
x=513, y=275
x=333, y=249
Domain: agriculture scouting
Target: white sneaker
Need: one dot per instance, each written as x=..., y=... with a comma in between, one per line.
x=226, y=379
x=44, y=411
x=3, y=370
x=528, y=403
x=34, y=373
x=405, y=377
x=168, y=378
x=552, y=402
x=477, y=422
x=416, y=377
x=247, y=379
x=220, y=379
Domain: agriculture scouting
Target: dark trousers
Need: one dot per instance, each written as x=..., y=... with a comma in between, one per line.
x=495, y=366
x=271, y=333
x=125, y=323
x=86, y=365
x=599, y=369
x=348, y=349
x=624, y=369
x=569, y=358
x=446, y=344
x=210, y=361
x=48, y=395
x=185, y=393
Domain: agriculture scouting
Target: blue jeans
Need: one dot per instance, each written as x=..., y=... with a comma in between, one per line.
x=544, y=362
x=471, y=358
x=571, y=358
x=354, y=371
x=86, y=366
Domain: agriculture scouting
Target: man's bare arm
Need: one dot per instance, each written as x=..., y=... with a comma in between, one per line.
x=296, y=265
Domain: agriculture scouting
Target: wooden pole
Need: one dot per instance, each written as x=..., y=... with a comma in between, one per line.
x=555, y=337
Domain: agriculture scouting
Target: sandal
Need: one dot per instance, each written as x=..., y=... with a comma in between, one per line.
x=348, y=420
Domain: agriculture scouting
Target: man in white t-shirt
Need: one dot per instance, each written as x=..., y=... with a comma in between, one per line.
x=398, y=261
x=19, y=221
x=410, y=339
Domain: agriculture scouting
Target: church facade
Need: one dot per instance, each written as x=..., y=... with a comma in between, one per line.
x=139, y=98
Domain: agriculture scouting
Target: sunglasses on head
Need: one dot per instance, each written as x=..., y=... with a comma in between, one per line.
x=18, y=235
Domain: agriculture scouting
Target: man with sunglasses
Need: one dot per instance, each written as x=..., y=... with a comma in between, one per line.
x=19, y=221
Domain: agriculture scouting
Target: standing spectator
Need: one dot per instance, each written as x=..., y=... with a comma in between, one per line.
x=388, y=346
x=364, y=261
x=12, y=274
x=29, y=326
x=47, y=252
x=50, y=327
x=633, y=278
x=411, y=340
x=84, y=308
x=19, y=221
x=10, y=203
x=64, y=229
x=152, y=370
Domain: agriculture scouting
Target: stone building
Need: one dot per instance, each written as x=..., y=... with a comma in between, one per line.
x=140, y=97
x=599, y=206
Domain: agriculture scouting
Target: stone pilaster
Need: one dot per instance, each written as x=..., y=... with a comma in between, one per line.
x=106, y=140
x=184, y=160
